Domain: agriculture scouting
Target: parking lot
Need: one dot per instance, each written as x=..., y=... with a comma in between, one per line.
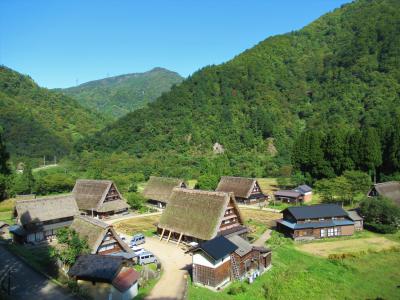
x=174, y=264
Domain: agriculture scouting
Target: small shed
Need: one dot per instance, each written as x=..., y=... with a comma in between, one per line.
x=105, y=277
x=4, y=230
x=357, y=219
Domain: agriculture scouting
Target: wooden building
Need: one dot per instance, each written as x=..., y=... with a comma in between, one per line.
x=39, y=219
x=357, y=219
x=196, y=216
x=98, y=198
x=390, y=190
x=105, y=277
x=300, y=194
x=246, y=190
x=248, y=261
x=159, y=189
x=221, y=260
x=101, y=237
x=315, y=221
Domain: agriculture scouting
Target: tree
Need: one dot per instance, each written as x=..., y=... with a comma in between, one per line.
x=371, y=150
x=380, y=214
x=135, y=200
x=207, y=182
x=359, y=183
x=24, y=183
x=70, y=246
x=4, y=167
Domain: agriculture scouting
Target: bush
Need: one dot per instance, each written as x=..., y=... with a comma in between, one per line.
x=381, y=228
x=135, y=200
x=237, y=289
x=54, y=183
x=207, y=182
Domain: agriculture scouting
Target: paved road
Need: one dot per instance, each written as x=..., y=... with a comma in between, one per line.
x=27, y=283
x=263, y=238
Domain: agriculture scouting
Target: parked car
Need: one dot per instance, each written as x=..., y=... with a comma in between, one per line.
x=146, y=258
x=137, y=250
x=137, y=239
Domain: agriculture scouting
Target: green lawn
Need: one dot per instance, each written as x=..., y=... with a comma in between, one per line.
x=298, y=275
x=6, y=216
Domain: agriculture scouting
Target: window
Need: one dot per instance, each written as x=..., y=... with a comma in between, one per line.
x=321, y=219
x=323, y=232
x=330, y=232
x=307, y=220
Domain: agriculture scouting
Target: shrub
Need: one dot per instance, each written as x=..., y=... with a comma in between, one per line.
x=237, y=289
x=136, y=201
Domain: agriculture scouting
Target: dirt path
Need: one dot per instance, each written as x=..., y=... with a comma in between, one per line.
x=263, y=238
x=175, y=263
x=256, y=207
x=26, y=283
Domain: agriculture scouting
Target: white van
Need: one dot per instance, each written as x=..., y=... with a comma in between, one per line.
x=137, y=239
x=146, y=257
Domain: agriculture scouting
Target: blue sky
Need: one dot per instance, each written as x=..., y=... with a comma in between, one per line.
x=59, y=43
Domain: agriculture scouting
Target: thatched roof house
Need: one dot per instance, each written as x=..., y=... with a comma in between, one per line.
x=390, y=189
x=159, y=189
x=200, y=215
x=101, y=237
x=246, y=190
x=100, y=196
x=45, y=209
x=39, y=219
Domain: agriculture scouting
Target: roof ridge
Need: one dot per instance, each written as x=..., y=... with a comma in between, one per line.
x=43, y=199
x=204, y=192
x=251, y=178
x=95, y=222
x=96, y=180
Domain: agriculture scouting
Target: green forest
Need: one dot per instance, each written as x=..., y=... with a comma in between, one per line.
x=323, y=100
x=38, y=122
x=312, y=103
x=116, y=96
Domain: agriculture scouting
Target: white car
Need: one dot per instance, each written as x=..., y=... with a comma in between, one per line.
x=137, y=250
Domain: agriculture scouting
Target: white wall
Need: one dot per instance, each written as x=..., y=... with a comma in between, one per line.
x=200, y=259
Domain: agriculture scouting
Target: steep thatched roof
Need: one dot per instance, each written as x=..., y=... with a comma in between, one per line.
x=196, y=213
x=390, y=189
x=240, y=186
x=160, y=188
x=45, y=209
x=90, y=194
x=94, y=231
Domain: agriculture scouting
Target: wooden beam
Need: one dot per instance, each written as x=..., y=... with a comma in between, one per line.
x=162, y=234
x=169, y=236
x=180, y=237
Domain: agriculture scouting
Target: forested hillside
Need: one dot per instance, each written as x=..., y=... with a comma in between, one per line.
x=325, y=97
x=38, y=122
x=116, y=96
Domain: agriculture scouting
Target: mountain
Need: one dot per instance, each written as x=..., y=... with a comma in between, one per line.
x=37, y=121
x=116, y=96
x=340, y=74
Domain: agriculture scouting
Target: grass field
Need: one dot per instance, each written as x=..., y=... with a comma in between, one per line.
x=6, y=216
x=348, y=246
x=268, y=185
x=142, y=224
x=7, y=205
x=299, y=275
x=258, y=221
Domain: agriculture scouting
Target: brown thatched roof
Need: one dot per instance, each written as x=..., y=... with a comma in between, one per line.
x=160, y=188
x=390, y=189
x=94, y=231
x=45, y=209
x=240, y=186
x=196, y=213
x=90, y=194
